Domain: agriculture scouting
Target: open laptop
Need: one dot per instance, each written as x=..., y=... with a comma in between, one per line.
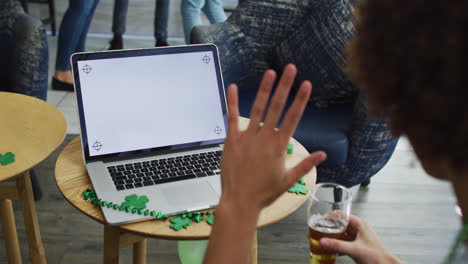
x=153, y=123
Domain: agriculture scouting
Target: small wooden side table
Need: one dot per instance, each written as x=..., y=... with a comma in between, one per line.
x=72, y=179
x=31, y=129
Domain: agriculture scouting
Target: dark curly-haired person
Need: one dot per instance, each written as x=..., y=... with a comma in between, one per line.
x=409, y=58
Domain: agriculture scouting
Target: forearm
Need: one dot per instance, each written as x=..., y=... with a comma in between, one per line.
x=232, y=235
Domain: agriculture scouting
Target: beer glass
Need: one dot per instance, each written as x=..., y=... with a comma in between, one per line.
x=329, y=207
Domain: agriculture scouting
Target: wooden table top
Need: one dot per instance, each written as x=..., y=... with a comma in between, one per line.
x=31, y=129
x=72, y=179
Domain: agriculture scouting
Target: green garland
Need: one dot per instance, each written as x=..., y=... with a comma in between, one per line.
x=178, y=222
x=462, y=237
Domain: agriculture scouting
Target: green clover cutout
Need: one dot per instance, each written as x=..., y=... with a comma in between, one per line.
x=178, y=223
x=6, y=159
x=135, y=201
x=298, y=189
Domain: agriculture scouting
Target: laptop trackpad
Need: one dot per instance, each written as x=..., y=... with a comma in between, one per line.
x=186, y=196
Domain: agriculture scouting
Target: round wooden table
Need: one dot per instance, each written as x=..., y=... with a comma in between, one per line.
x=72, y=179
x=31, y=129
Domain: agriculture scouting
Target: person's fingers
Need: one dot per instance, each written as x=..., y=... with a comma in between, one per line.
x=233, y=111
x=298, y=171
x=355, y=224
x=261, y=100
x=340, y=246
x=294, y=114
x=279, y=98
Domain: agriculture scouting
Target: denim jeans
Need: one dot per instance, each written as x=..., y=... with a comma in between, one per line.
x=73, y=31
x=191, y=11
x=161, y=16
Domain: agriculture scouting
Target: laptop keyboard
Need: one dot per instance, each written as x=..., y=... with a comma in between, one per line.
x=146, y=173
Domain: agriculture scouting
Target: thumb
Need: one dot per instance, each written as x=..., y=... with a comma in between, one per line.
x=338, y=246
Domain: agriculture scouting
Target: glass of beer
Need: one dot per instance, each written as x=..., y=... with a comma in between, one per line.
x=328, y=213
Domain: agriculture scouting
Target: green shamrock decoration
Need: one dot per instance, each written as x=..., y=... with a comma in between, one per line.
x=302, y=182
x=290, y=148
x=178, y=223
x=135, y=201
x=210, y=220
x=298, y=189
x=8, y=158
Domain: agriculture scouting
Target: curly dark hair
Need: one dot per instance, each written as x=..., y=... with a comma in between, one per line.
x=410, y=59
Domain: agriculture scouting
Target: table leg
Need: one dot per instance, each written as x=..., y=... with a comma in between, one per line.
x=254, y=249
x=31, y=224
x=111, y=245
x=139, y=252
x=9, y=231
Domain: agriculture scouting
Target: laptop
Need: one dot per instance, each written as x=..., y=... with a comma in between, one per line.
x=153, y=124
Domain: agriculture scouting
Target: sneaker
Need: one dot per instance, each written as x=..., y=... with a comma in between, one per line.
x=161, y=43
x=116, y=43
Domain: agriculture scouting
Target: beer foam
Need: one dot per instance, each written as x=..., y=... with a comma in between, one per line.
x=327, y=224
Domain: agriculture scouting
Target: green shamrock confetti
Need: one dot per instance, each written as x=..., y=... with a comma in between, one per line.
x=302, y=182
x=6, y=159
x=178, y=223
x=298, y=189
x=210, y=220
x=290, y=148
x=135, y=201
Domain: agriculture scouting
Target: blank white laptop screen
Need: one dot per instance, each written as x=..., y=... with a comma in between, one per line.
x=142, y=102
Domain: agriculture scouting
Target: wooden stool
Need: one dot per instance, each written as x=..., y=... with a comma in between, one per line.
x=31, y=129
x=72, y=179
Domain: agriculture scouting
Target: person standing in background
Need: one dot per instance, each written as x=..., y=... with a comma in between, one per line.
x=119, y=20
x=71, y=39
x=191, y=11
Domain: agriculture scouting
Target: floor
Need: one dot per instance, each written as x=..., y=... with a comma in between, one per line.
x=413, y=213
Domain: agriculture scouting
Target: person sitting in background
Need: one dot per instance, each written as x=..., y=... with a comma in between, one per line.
x=71, y=39
x=191, y=11
x=119, y=20
x=408, y=57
